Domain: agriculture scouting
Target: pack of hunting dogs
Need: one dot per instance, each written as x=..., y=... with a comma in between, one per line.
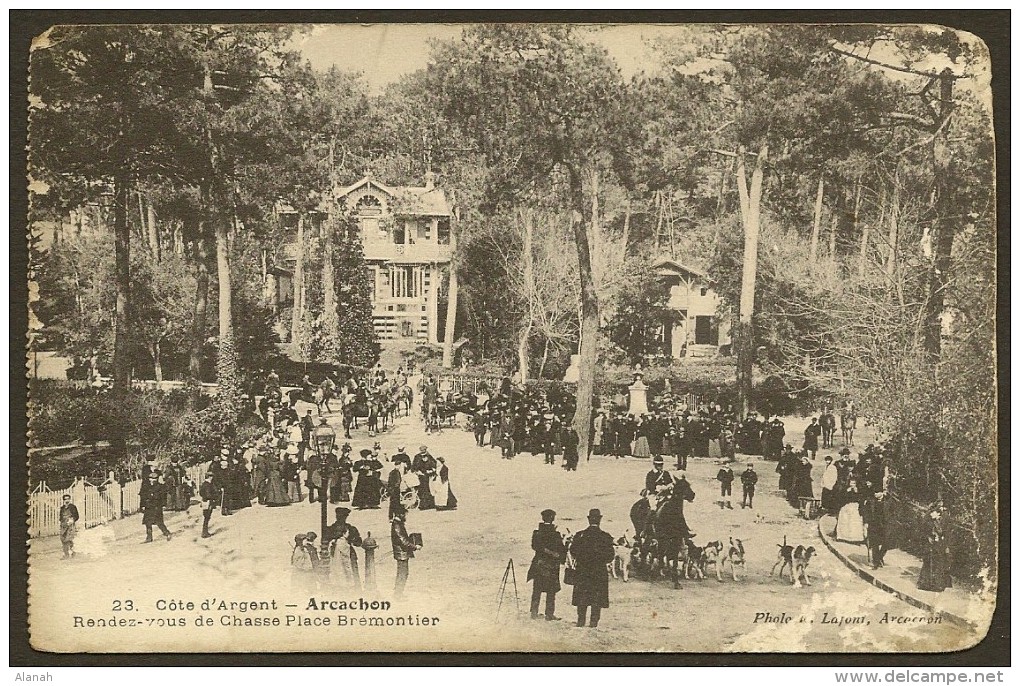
x=665, y=547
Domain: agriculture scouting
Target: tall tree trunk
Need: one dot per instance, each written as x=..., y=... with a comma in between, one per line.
x=545, y=358
x=720, y=205
x=626, y=226
x=522, y=351
x=122, y=329
x=864, y=230
x=198, y=321
x=588, y=350
x=157, y=363
x=227, y=376
x=833, y=228
x=153, y=232
x=894, y=228
x=328, y=278
x=528, y=267
x=944, y=227
x=750, y=214
x=817, y=226
x=451, y=300
x=297, y=314
x=122, y=246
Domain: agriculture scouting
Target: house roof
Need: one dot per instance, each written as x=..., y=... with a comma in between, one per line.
x=366, y=181
x=420, y=200
x=674, y=267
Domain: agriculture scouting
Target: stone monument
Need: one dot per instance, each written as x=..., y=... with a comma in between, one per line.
x=638, y=394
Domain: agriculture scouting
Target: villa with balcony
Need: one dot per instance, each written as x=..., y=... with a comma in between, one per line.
x=405, y=233
x=704, y=326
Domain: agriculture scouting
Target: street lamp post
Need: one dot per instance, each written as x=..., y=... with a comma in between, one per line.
x=323, y=436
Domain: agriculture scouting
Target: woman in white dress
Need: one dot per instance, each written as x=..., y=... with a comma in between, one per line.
x=849, y=524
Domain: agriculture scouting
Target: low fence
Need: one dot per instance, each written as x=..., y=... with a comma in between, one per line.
x=469, y=385
x=97, y=504
x=464, y=384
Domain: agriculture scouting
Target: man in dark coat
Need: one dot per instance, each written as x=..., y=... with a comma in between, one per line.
x=210, y=495
x=811, y=434
x=748, y=479
x=774, y=442
x=550, y=553
x=342, y=529
x=787, y=469
x=657, y=479
x=725, y=479
x=570, y=454
x=426, y=467
x=403, y=549
x=873, y=513
x=68, y=525
x=592, y=549
x=394, y=483
x=152, y=504
x=314, y=479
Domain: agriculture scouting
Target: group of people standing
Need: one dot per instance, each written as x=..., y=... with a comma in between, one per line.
x=856, y=492
x=585, y=554
x=337, y=565
x=515, y=422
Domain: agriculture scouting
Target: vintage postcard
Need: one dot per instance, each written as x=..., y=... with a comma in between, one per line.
x=511, y=337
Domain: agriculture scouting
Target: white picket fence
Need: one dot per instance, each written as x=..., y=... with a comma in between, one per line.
x=97, y=504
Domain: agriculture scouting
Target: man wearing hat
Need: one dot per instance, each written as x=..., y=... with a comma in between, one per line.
x=550, y=553
x=748, y=480
x=403, y=549
x=725, y=479
x=68, y=516
x=152, y=504
x=658, y=478
x=592, y=549
x=210, y=495
x=873, y=513
x=426, y=467
x=341, y=530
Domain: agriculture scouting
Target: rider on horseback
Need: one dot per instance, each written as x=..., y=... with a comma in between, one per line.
x=657, y=478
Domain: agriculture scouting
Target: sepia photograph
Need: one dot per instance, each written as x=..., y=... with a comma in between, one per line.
x=511, y=338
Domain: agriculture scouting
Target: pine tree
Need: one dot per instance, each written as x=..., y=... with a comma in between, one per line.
x=354, y=342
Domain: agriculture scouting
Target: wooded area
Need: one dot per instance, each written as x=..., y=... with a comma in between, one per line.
x=836, y=183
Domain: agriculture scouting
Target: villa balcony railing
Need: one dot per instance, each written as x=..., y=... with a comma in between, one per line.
x=419, y=252
x=387, y=252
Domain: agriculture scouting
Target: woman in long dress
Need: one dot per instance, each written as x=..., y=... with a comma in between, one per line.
x=641, y=446
x=345, y=477
x=934, y=574
x=849, y=523
x=445, y=500
x=177, y=486
x=367, y=491
x=275, y=488
x=802, y=484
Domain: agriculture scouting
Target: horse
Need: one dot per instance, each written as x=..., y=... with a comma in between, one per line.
x=847, y=424
x=405, y=397
x=323, y=394
x=353, y=407
x=663, y=531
